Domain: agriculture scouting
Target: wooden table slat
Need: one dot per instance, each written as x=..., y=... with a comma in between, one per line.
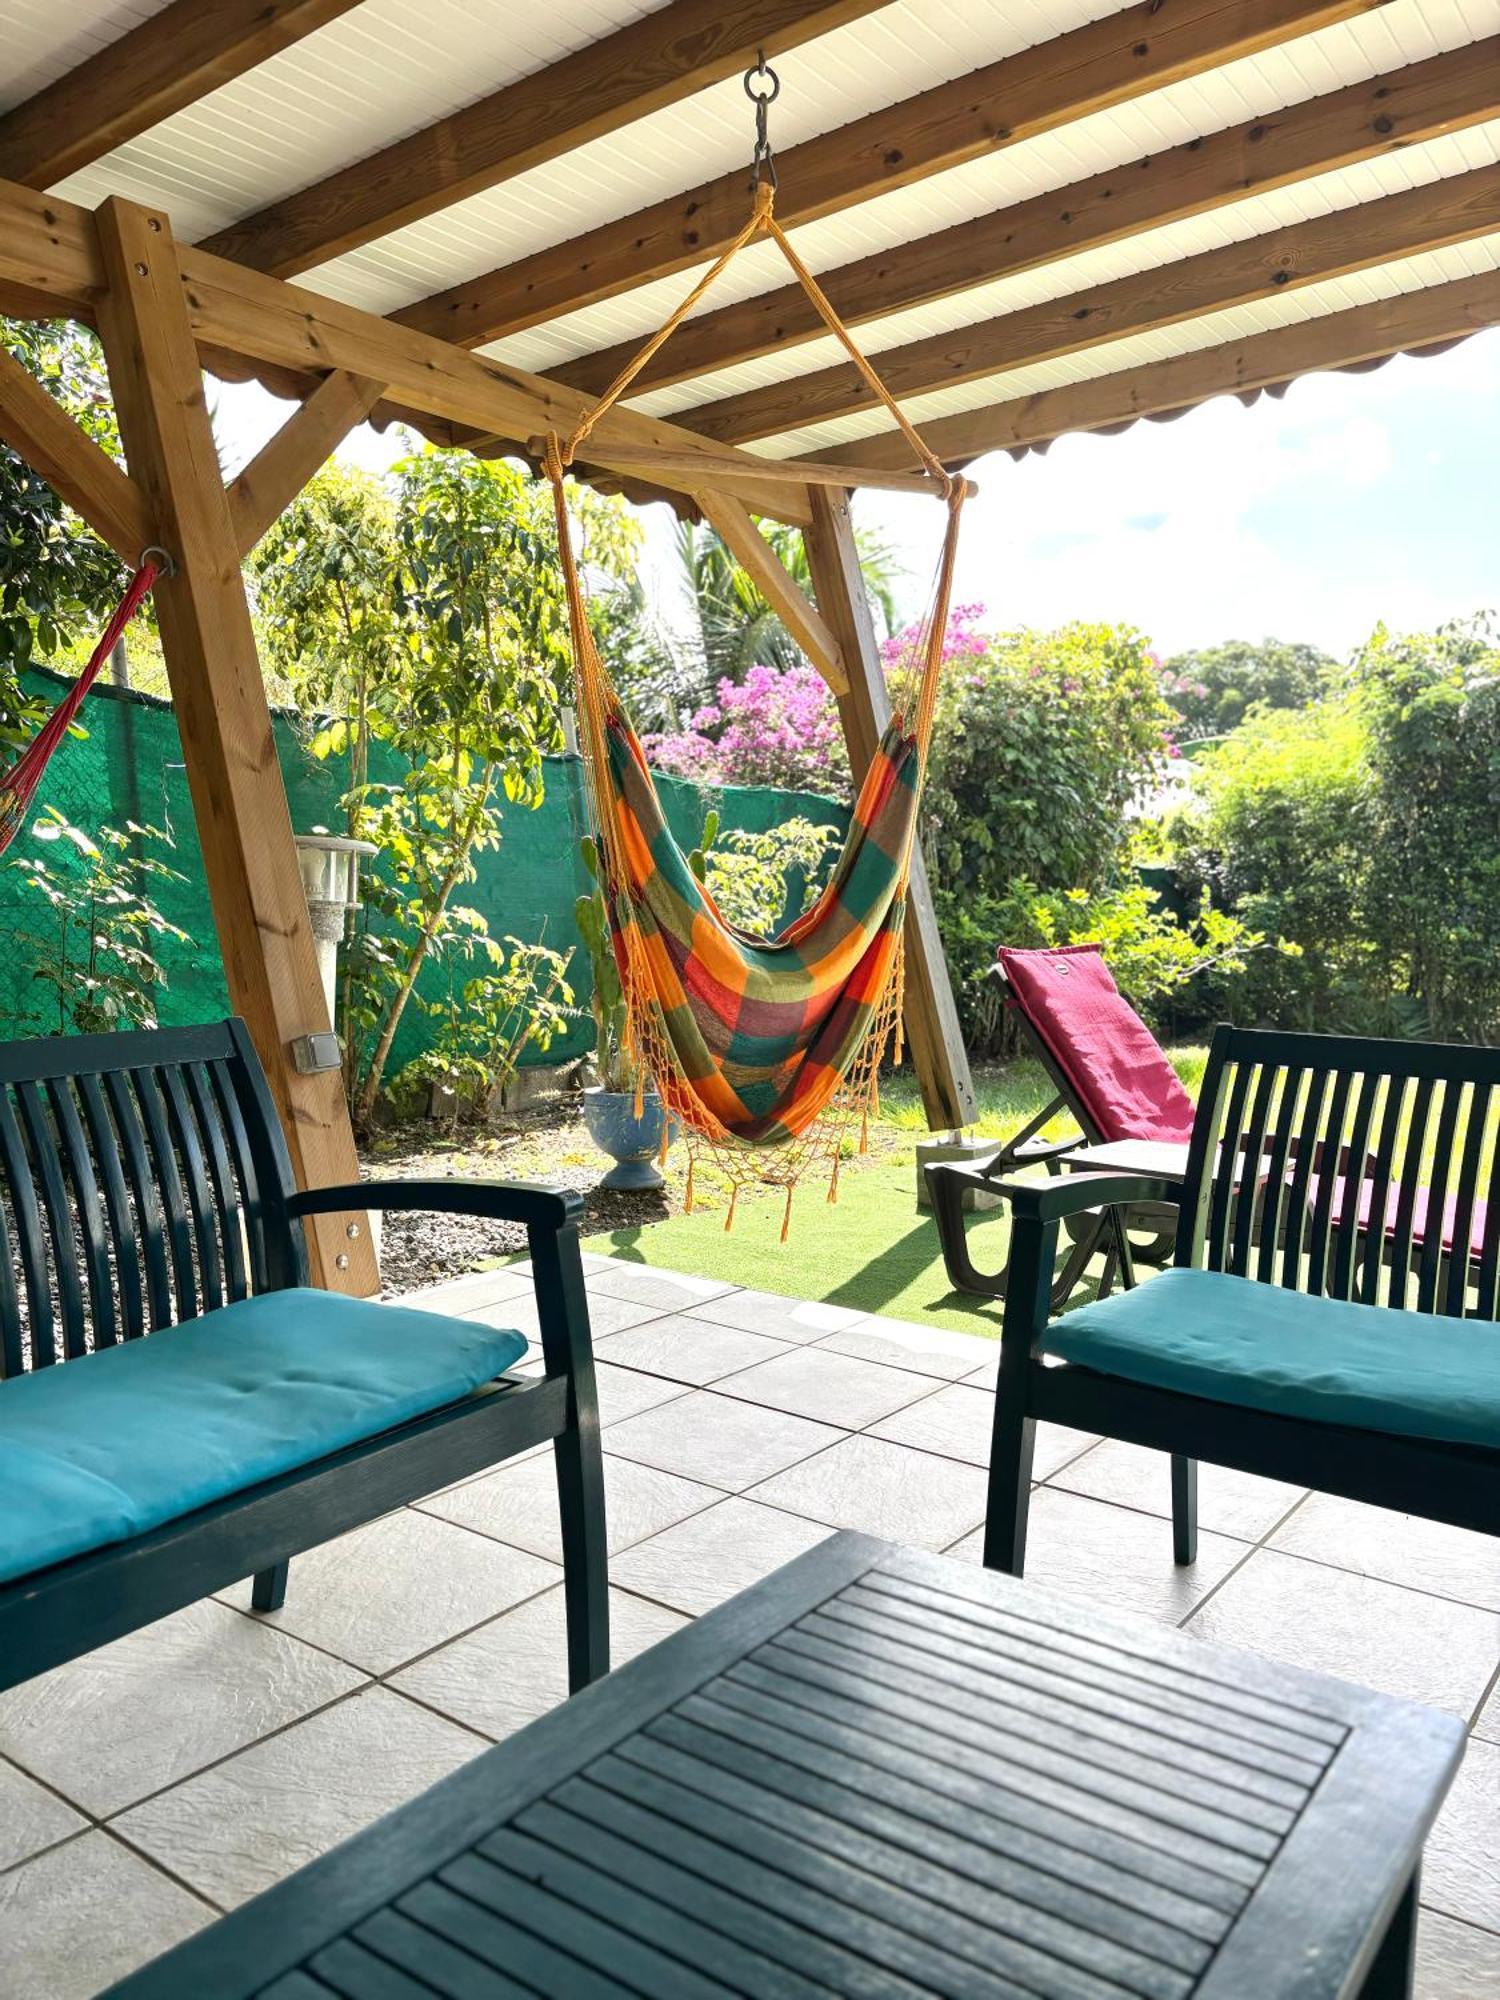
x=596, y=1944
x=789, y=1851
x=884, y=1776
x=1024, y=1824
x=1241, y=1707
x=710, y=1896
x=664, y=1821
x=1238, y=1848
x=431, y=1959
x=347, y=1968
x=1032, y=1665
x=1118, y=1726
x=1041, y=1911
x=976, y=1866
x=633, y=1913
x=502, y=1944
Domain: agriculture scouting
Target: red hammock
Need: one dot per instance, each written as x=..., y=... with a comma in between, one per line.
x=18, y=784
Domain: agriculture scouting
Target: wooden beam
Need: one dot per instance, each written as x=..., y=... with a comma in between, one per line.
x=34, y=423
x=171, y=60
x=1364, y=121
x=933, y=1034
x=309, y=437
x=1101, y=64
x=1307, y=253
x=781, y=590
x=48, y=248
x=673, y=466
x=650, y=63
x=239, y=801
x=1358, y=336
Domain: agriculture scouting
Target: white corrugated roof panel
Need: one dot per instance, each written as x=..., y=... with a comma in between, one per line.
x=389, y=67
x=1405, y=31
x=1410, y=274
x=44, y=40
x=1437, y=159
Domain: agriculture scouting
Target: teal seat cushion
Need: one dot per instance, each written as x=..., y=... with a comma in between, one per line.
x=1234, y=1341
x=106, y=1446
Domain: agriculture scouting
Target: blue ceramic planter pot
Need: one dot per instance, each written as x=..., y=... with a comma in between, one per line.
x=634, y=1144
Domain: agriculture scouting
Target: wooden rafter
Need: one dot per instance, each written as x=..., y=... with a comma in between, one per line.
x=49, y=248
x=282, y=467
x=36, y=426
x=1328, y=246
x=1104, y=63
x=1382, y=115
x=645, y=66
x=1361, y=334
x=781, y=590
x=167, y=62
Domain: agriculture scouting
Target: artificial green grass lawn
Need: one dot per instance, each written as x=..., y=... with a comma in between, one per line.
x=874, y=1250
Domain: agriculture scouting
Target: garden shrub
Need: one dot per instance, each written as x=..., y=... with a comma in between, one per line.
x=1039, y=744
x=1173, y=973
x=1365, y=830
x=1216, y=687
x=1041, y=740
x=1432, y=704
x=777, y=726
x=1283, y=839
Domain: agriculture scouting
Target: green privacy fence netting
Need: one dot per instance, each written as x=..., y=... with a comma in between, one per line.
x=129, y=767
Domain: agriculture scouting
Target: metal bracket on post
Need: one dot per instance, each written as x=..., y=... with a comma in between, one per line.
x=316, y=1052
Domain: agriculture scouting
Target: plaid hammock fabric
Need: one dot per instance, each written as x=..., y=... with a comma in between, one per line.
x=762, y=1049
x=762, y=1033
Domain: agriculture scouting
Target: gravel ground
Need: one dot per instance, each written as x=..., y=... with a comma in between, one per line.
x=549, y=1145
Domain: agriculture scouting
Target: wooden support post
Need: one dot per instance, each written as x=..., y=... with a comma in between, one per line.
x=933, y=1033
x=239, y=801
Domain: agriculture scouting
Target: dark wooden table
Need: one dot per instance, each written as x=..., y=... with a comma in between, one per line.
x=885, y=1774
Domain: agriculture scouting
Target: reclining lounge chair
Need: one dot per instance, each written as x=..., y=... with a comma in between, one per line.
x=1110, y=1074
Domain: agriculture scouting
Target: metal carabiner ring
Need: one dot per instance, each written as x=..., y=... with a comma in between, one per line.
x=166, y=566
x=762, y=70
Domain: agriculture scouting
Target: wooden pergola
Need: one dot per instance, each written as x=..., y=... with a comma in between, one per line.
x=1043, y=222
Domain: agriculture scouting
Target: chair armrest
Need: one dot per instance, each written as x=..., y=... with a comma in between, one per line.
x=1038, y=1152
x=505, y=1201
x=1054, y=1200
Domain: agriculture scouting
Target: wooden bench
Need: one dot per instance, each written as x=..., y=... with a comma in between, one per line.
x=216, y=1415
x=1329, y=1318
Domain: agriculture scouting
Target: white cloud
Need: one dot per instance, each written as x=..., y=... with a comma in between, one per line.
x=1294, y=516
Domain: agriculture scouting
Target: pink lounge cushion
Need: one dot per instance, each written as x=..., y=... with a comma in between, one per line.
x=1113, y=1061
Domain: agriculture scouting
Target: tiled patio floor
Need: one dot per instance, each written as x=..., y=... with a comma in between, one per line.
x=185, y=1768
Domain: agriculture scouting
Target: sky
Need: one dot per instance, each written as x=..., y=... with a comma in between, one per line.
x=1353, y=500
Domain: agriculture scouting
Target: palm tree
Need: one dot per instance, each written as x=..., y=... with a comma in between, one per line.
x=738, y=628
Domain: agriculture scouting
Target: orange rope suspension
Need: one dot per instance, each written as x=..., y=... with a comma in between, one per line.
x=704, y=1105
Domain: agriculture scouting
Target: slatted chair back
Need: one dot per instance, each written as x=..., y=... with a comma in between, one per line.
x=1348, y=1168
x=142, y=1182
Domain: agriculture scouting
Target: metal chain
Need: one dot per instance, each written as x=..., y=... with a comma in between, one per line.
x=763, y=160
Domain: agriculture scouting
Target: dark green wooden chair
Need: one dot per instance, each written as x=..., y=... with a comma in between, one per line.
x=1328, y=1319
x=179, y=1409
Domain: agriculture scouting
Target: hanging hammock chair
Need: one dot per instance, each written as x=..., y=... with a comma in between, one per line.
x=765, y=1052
x=18, y=785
